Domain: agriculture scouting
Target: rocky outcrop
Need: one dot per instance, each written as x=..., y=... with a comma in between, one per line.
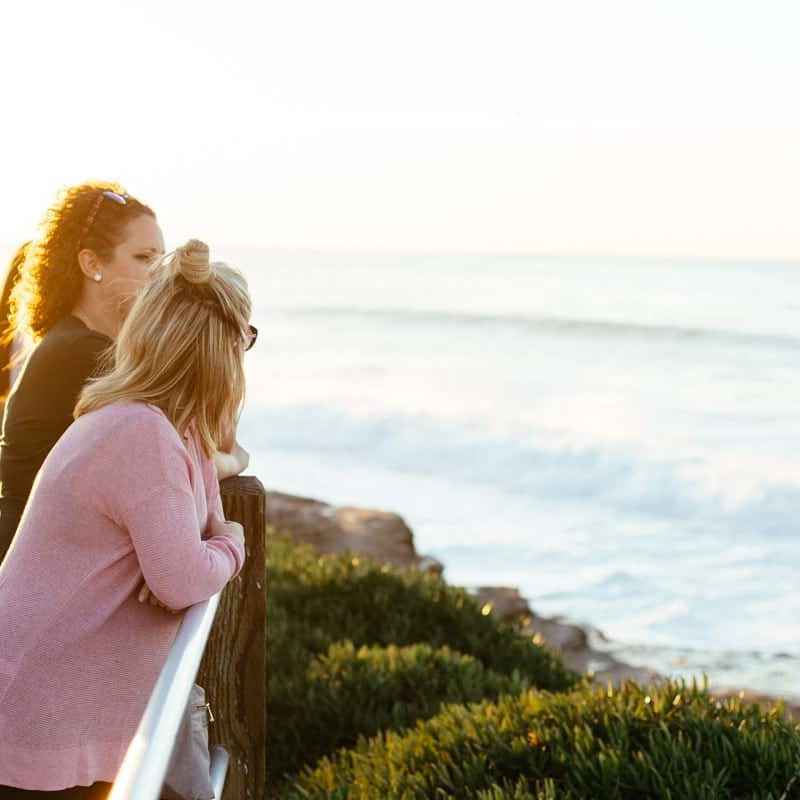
x=572, y=642
x=380, y=535
x=581, y=648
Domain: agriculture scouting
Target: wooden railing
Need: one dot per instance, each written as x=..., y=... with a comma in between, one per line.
x=233, y=672
x=234, y=669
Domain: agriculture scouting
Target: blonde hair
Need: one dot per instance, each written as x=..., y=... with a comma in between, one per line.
x=180, y=347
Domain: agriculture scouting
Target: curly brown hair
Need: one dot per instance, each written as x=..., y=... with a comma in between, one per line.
x=50, y=278
x=7, y=332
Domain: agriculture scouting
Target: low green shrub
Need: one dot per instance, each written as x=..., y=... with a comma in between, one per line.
x=349, y=691
x=674, y=742
x=324, y=688
x=326, y=599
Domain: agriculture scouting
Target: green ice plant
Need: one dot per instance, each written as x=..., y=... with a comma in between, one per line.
x=672, y=742
x=355, y=647
x=385, y=683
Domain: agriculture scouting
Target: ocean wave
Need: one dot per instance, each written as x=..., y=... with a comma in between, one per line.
x=541, y=323
x=612, y=477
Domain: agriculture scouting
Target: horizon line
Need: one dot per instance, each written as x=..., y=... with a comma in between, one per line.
x=488, y=252
x=338, y=249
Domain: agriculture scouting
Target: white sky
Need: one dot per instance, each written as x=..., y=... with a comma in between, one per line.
x=665, y=127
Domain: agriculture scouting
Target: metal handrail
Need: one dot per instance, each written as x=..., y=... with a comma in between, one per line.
x=142, y=772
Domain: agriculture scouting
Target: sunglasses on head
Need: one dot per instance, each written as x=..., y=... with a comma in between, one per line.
x=119, y=199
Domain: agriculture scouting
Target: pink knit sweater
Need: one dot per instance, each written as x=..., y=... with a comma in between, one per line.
x=120, y=496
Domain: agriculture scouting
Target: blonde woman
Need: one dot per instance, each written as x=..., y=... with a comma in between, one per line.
x=77, y=279
x=129, y=493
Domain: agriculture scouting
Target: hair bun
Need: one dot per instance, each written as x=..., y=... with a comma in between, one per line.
x=192, y=261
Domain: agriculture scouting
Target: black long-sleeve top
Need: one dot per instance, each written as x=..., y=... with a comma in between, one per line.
x=39, y=409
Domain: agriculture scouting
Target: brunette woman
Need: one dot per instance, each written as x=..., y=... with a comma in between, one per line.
x=76, y=283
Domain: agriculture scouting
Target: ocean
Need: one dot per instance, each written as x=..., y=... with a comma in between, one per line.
x=618, y=438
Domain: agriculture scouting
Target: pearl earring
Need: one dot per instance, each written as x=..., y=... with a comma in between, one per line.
x=98, y=277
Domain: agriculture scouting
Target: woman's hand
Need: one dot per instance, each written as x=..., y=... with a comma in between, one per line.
x=218, y=526
x=232, y=462
x=146, y=596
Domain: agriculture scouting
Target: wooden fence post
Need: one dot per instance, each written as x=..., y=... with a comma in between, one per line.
x=233, y=671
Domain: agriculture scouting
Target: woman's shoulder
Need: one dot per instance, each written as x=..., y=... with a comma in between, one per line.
x=53, y=375
x=139, y=417
x=70, y=328
x=138, y=430
x=128, y=449
x=69, y=341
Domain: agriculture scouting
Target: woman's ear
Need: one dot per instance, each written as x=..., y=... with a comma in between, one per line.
x=89, y=263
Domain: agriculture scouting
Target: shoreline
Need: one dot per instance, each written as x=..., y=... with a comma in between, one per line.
x=384, y=536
